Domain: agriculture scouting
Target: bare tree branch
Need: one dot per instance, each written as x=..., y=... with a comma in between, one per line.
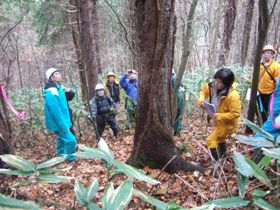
x=123, y=26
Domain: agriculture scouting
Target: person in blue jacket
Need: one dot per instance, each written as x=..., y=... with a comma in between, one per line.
x=130, y=86
x=272, y=125
x=57, y=116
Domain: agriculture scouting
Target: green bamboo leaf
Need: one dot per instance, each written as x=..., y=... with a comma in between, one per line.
x=274, y=153
x=231, y=202
x=103, y=146
x=278, y=140
x=109, y=190
x=242, y=166
x=93, y=155
x=260, y=193
x=121, y=197
x=50, y=170
x=151, y=200
x=18, y=162
x=91, y=191
x=242, y=182
x=93, y=206
x=9, y=203
x=52, y=178
x=255, y=141
x=258, y=173
x=80, y=193
x=15, y=172
x=134, y=173
x=50, y=163
x=262, y=203
x=25, y=182
x=258, y=130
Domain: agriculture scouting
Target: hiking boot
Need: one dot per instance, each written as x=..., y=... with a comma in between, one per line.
x=222, y=149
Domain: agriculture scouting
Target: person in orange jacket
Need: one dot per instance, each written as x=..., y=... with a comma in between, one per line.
x=223, y=95
x=269, y=71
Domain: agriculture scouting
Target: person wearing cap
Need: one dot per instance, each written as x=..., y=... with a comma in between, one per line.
x=57, y=116
x=112, y=87
x=129, y=83
x=103, y=111
x=269, y=71
x=223, y=95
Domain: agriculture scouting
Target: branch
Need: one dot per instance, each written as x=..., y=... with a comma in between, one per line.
x=122, y=25
x=274, y=5
x=12, y=28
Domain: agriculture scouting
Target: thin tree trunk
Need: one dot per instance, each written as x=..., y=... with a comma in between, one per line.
x=76, y=41
x=6, y=141
x=184, y=58
x=153, y=143
x=229, y=20
x=247, y=31
x=263, y=25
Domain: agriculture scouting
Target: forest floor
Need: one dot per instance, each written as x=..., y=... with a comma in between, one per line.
x=188, y=189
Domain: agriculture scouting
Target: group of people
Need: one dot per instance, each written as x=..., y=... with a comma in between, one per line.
x=221, y=93
x=58, y=114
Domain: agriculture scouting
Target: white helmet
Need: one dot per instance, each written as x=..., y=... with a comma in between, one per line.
x=99, y=87
x=49, y=72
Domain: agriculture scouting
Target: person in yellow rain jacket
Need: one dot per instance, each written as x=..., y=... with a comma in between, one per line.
x=223, y=95
x=269, y=70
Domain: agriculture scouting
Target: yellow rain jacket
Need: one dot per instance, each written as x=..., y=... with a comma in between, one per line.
x=227, y=116
x=266, y=83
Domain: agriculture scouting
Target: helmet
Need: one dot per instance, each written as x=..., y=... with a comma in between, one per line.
x=268, y=47
x=49, y=72
x=225, y=75
x=99, y=87
x=111, y=74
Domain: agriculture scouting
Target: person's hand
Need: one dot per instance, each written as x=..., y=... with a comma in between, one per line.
x=66, y=89
x=94, y=118
x=202, y=106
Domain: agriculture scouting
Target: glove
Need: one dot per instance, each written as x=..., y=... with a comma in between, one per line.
x=277, y=121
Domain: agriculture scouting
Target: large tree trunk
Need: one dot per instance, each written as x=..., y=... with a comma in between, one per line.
x=262, y=33
x=6, y=141
x=184, y=58
x=153, y=143
x=247, y=31
x=229, y=20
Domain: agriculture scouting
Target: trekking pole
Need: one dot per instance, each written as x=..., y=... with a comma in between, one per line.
x=94, y=127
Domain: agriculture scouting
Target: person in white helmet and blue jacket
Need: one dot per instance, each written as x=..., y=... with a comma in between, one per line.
x=57, y=116
x=103, y=111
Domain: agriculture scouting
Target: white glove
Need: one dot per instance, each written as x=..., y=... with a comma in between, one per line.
x=277, y=121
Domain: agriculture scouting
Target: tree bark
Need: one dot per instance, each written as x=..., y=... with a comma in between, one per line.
x=76, y=41
x=6, y=141
x=229, y=20
x=263, y=24
x=247, y=31
x=184, y=58
x=87, y=46
x=153, y=143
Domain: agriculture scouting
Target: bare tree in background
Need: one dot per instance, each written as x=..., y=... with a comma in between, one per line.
x=247, y=31
x=229, y=21
x=263, y=24
x=185, y=55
